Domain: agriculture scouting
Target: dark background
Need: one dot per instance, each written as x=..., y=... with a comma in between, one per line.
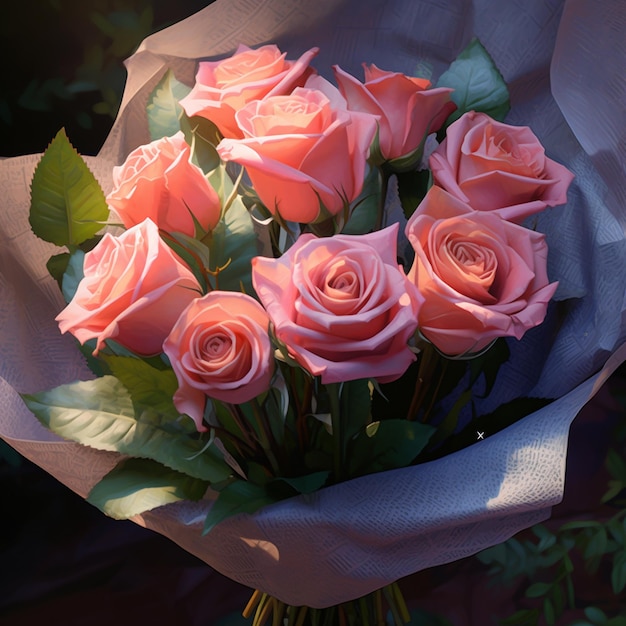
x=62, y=562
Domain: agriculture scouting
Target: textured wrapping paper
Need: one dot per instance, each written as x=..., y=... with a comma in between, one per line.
x=564, y=63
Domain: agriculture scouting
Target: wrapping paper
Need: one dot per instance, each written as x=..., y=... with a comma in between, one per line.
x=564, y=63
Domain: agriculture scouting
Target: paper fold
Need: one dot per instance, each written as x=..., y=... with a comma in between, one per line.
x=350, y=539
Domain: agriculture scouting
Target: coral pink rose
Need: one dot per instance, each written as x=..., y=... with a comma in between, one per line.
x=341, y=305
x=220, y=348
x=481, y=276
x=133, y=290
x=224, y=87
x=158, y=181
x=305, y=158
x=408, y=110
x=496, y=167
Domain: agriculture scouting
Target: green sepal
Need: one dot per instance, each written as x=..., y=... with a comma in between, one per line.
x=164, y=110
x=238, y=496
x=477, y=83
x=67, y=205
x=362, y=219
x=100, y=413
x=135, y=486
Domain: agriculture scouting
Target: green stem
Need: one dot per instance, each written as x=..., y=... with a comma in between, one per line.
x=384, y=186
x=427, y=360
x=266, y=438
x=338, y=434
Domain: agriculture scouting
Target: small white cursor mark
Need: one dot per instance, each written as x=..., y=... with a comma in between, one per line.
x=480, y=435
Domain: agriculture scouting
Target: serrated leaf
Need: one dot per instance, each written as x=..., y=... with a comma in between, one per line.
x=239, y=496
x=412, y=187
x=148, y=386
x=163, y=109
x=233, y=243
x=477, y=83
x=67, y=204
x=203, y=136
x=139, y=485
x=99, y=413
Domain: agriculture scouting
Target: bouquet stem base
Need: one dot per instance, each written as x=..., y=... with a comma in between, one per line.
x=383, y=607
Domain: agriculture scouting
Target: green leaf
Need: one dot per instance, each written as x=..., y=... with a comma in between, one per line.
x=203, y=136
x=536, y=590
x=477, y=84
x=233, y=243
x=139, y=485
x=597, y=546
x=546, y=538
x=56, y=266
x=305, y=484
x=148, y=386
x=412, y=187
x=163, y=109
x=67, y=205
x=238, y=496
x=99, y=413
x=618, y=573
x=596, y=615
x=548, y=612
x=73, y=275
x=192, y=252
x=616, y=465
x=395, y=443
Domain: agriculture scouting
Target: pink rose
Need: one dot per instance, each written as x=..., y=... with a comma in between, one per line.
x=223, y=87
x=220, y=348
x=341, y=305
x=407, y=108
x=481, y=276
x=301, y=153
x=158, y=181
x=133, y=289
x=496, y=167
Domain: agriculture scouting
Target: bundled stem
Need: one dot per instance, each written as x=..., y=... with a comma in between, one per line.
x=368, y=610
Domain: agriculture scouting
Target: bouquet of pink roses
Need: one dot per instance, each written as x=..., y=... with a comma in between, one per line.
x=301, y=283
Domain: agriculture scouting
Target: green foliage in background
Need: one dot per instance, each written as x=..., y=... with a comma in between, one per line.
x=548, y=562
x=64, y=66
